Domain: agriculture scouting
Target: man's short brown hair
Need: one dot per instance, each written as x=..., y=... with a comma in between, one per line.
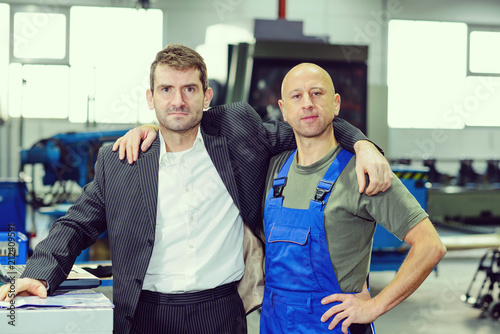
x=180, y=58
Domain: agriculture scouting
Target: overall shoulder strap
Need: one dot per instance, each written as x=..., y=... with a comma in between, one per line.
x=279, y=181
x=325, y=186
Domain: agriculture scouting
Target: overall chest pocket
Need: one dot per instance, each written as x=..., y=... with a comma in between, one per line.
x=289, y=258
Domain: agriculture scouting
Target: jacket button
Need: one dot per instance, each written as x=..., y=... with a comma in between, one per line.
x=128, y=318
x=138, y=281
x=150, y=242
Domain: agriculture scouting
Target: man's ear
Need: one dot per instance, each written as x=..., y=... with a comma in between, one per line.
x=209, y=94
x=282, y=108
x=149, y=98
x=336, y=106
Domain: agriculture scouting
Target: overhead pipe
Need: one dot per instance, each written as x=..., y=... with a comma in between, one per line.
x=282, y=9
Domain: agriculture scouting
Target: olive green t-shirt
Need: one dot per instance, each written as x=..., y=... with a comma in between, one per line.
x=350, y=217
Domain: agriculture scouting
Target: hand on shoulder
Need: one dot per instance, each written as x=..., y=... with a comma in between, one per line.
x=130, y=142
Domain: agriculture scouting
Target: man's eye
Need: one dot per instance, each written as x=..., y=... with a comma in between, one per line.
x=189, y=89
x=165, y=90
x=296, y=96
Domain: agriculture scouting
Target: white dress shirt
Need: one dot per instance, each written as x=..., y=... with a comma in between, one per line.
x=199, y=229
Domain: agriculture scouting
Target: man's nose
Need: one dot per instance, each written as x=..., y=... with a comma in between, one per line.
x=307, y=102
x=178, y=100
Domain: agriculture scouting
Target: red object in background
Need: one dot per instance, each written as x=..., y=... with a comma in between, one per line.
x=282, y=9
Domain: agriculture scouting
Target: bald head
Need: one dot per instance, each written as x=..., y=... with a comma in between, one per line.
x=300, y=73
x=308, y=100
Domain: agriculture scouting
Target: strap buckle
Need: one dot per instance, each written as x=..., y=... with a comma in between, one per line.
x=278, y=185
x=324, y=187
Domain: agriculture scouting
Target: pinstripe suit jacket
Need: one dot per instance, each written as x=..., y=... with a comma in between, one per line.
x=122, y=198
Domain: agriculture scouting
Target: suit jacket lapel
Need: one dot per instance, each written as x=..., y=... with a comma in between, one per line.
x=219, y=153
x=147, y=168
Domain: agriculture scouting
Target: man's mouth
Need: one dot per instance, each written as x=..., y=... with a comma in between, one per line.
x=178, y=112
x=309, y=118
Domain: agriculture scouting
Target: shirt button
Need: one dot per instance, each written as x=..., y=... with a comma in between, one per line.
x=191, y=218
x=191, y=246
x=186, y=189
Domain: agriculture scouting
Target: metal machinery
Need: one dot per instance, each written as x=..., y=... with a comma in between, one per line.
x=483, y=297
x=67, y=159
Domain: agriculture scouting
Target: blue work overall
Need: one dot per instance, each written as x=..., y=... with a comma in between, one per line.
x=299, y=271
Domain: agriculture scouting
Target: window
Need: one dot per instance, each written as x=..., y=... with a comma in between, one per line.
x=426, y=73
x=39, y=35
x=39, y=91
x=101, y=76
x=38, y=70
x=110, y=61
x=484, y=51
x=443, y=75
x=483, y=81
x=480, y=104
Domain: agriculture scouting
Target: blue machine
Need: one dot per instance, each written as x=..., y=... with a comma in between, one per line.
x=66, y=158
x=388, y=251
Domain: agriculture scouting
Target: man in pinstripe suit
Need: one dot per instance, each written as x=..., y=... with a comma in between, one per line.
x=179, y=215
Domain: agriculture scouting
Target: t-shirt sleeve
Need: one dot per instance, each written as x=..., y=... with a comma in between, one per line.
x=396, y=209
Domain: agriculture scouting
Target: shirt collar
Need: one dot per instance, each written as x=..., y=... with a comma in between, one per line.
x=172, y=157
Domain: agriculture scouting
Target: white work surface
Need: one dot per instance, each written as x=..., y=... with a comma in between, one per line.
x=57, y=320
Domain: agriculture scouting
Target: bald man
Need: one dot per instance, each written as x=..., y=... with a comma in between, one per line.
x=319, y=228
